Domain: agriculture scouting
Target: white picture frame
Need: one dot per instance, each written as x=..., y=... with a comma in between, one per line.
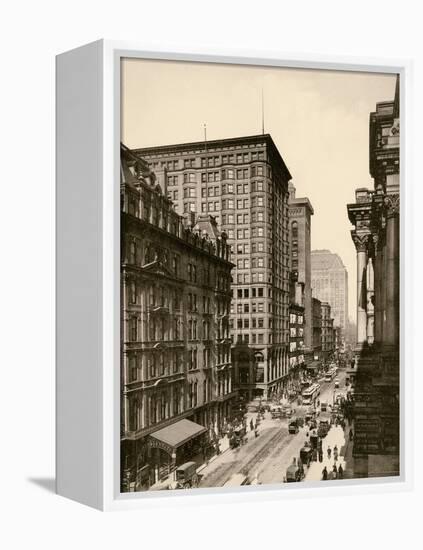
x=88, y=276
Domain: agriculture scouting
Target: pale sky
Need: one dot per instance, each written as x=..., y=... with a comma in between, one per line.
x=319, y=121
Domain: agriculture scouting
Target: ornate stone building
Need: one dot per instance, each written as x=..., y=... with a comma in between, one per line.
x=243, y=182
x=176, y=371
x=375, y=216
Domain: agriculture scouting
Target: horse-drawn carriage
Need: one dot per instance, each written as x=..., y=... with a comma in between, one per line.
x=238, y=437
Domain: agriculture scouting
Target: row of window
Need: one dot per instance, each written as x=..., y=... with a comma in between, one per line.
x=253, y=338
x=245, y=323
x=147, y=410
x=245, y=292
x=209, y=161
x=153, y=253
x=225, y=174
x=244, y=263
x=256, y=307
x=215, y=191
x=295, y=318
x=255, y=277
x=296, y=332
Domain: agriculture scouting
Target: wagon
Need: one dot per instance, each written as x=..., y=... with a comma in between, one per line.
x=294, y=473
x=186, y=476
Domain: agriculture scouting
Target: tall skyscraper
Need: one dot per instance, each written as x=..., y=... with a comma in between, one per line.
x=329, y=281
x=243, y=182
x=300, y=212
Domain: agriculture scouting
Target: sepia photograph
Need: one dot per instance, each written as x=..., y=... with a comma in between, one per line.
x=260, y=261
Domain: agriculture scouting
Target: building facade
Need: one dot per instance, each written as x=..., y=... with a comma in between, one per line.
x=176, y=371
x=328, y=336
x=317, y=335
x=329, y=280
x=296, y=342
x=300, y=212
x=375, y=216
x=243, y=182
x=296, y=326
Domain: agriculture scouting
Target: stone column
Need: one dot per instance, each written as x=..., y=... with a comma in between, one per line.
x=361, y=247
x=378, y=279
x=370, y=300
x=392, y=202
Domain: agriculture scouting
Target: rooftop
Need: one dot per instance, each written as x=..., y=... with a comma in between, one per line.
x=216, y=144
x=325, y=259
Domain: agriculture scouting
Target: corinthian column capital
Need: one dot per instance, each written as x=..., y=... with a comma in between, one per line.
x=392, y=205
x=361, y=241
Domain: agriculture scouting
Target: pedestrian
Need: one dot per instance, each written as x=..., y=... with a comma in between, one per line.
x=256, y=432
x=340, y=472
x=324, y=474
x=334, y=472
x=351, y=434
x=329, y=452
x=251, y=425
x=320, y=456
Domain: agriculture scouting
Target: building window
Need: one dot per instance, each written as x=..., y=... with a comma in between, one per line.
x=133, y=371
x=133, y=329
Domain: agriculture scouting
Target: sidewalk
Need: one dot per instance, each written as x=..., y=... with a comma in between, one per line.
x=335, y=436
x=206, y=467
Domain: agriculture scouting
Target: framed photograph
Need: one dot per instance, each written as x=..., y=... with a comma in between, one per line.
x=230, y=282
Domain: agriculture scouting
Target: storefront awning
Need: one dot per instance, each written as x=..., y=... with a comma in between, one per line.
x=173, y=436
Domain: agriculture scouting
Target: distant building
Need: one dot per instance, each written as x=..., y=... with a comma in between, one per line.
x=296, y=325
x=300, y=212
x=328, y=340
x=329, y=281
x=243, y=182
x=317, y=335
x=176, y=372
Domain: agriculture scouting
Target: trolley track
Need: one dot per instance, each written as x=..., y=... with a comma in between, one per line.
x=249, y=457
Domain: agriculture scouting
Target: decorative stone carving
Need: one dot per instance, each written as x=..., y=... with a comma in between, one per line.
x=361, y=241
x=392, y=204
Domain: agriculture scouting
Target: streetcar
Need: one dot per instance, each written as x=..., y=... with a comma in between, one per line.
x=330, y=375
x=311, y=394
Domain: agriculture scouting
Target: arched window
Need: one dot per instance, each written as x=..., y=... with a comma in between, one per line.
x=294, y=228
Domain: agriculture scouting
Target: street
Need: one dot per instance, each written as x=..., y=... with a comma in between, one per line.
x=265, y=458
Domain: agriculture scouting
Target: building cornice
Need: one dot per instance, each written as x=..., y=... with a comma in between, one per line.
x=210, y=147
